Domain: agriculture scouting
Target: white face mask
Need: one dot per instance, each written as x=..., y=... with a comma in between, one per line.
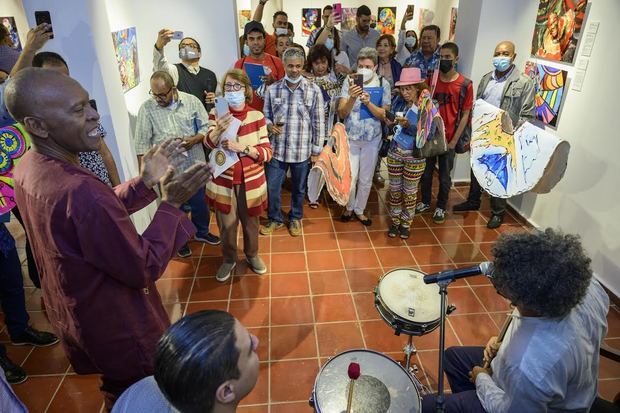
x=295, y=81
x=281, y=30
x=410, y=41
x=367, y=74
x=329, y=43
x=188, y=53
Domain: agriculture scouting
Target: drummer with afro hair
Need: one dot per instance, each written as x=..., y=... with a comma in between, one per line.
x=548, y=359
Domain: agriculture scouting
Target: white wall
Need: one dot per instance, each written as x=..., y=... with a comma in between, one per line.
x=293, y=8
x=587, y=200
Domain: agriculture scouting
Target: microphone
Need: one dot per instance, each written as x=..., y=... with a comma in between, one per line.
x=485, y=268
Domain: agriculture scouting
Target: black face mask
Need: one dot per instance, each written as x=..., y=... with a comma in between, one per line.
x=445, y=65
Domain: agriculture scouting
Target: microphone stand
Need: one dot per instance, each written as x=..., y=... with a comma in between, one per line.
x=443, y=291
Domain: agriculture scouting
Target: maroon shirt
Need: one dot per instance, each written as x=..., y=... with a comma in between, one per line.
x=98, y=274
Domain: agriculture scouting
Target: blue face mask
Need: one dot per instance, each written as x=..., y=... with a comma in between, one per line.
x=246, y=50
x=235, y=99
x=295, y=81
x=501, y=63
x=329, y=43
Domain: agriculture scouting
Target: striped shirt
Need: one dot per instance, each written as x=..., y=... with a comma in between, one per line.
x=187, y=117
x=301, y=111
x=252, y=132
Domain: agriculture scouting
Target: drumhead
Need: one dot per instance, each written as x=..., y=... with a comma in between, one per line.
x=404, y=288
x=383, y=387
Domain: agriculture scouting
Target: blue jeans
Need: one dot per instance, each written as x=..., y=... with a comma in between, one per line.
x=276, y=172
x=201, y=216
x=12, y=293
x=458, y=363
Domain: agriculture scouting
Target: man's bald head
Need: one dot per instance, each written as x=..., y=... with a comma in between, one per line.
x=54, y=109
x=505, y=48
x=34, y=89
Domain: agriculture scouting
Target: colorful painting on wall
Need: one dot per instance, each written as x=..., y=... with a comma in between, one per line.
x=9, y=23
x=550, y=90
x=14, y=142
x=386, y=22
x=126, y=49
x=508, y=162
x=348, y=18
x=453, y=16
x=244, y=17
x=426, y=18
x=310, y=20
x=558, y=28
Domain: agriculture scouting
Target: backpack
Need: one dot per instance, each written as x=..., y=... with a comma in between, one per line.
x=462, y=145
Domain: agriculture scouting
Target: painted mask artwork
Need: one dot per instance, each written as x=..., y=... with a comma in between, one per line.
x=508, y=162
x=126, y=49
x=332, y=169
x=14, y=142
x=386, y=23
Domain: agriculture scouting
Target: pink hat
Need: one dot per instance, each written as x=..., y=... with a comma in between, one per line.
x=410, y=76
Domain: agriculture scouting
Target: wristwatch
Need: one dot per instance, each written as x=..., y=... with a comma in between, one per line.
x=247, y=150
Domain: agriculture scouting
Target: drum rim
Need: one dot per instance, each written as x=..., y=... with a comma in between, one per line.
x=398, y=316
x=365, y=350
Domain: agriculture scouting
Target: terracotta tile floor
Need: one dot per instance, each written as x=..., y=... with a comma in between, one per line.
x=316, y=301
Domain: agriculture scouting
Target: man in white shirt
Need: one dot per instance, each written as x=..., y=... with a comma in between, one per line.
x=549, y=358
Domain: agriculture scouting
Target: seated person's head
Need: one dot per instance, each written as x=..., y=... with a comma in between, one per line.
x=50, y=60
x=206, y=359
x=545, y=274
x=5, y=36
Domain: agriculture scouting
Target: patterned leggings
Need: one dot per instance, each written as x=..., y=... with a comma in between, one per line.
x=405, y=172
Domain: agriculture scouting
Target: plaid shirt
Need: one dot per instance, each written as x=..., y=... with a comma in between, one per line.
x=156, y=124
x=301, y=111
x=417, y=60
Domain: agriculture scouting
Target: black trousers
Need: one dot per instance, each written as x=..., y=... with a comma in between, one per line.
x=446, y=163
x=33, y=273
x=498, y=205
x=12, y=297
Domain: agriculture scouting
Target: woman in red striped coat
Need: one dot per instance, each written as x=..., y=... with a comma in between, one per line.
x=240, y=192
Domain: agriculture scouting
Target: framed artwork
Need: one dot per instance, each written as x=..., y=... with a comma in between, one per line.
x=310, y=20
x=244, y=17
x=426, y=18
x=126, y=50
x=453, y=16
x=348, y=18
x=386, y=20
x=558, y=28
x=9, y=23
x=550, y=91
x=14, y=142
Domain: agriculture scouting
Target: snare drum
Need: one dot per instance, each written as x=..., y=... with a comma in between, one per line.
x=407, y=304
x=384, y=386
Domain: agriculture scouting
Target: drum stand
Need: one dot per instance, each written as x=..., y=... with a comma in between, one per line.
x=443, y=291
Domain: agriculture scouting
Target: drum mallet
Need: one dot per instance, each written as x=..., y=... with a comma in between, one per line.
x=354, y=374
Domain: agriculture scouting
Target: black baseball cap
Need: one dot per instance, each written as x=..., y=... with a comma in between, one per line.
x=254, y=26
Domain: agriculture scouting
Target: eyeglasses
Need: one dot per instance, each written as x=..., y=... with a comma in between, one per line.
x=160, y=95
x=233, y=87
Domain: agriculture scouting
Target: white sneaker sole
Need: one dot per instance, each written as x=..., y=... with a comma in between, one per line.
x=227, y=276
x=259, y=272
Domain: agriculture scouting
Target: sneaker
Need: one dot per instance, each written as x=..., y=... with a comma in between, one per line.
x=225, y=271
x=257, y=265
x=13, y=373
x=295, y=228
x=422, y=207
x=33, y=337
x=184, y=252
x=495, y=221
x=208, y=239
x=439, y=217
x=271, y=227
x=466, y=206
x=404, y=232
x=393, y=231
